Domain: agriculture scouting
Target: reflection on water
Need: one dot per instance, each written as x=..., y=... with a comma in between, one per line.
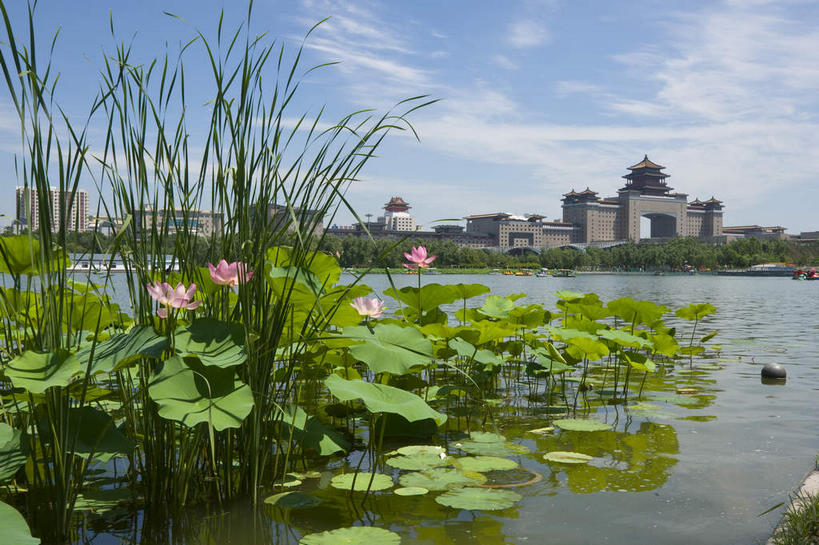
x=705, y=449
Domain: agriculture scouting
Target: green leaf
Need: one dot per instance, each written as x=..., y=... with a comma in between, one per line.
x=692, y=350
x=411, y=491
x=665, y=344
x=579, y=424
x=640, y=362
x=122, y=350
x=637, y=312
x=479, y=499
x=567, y=295
x=496, y=306
x=389, y=348
x=188, y=392
x=440, y=478
x=15, y=529
x=215, y=343
x=360, y=482
x=623, y=339
x=20, y=254
x=419, y=457
x=312, y=433
x=36, y=372
x=322, y=267
x=292, y=500
x=463, y=348
x=96, y=435
x=709, y=336
x=468, y=291
x=362, y=535
x=581, y=347
x=565, y=457
x=432, y=296
x=101, y=500
x=379, y=398
x=12, y=453
x=695, y=311
x=482, y=464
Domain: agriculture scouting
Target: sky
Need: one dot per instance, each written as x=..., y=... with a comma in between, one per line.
x=536, y=97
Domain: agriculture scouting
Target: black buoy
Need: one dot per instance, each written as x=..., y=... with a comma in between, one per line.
x=773, y=371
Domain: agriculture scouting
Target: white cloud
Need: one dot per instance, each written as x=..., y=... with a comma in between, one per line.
x=527, y=33
x=502, y=61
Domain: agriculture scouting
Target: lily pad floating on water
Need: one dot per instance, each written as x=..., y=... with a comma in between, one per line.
x=541, y=431
x=368, y=535
x=565, y=457
x=482, y=464
x=483, y=499
x=441, y=479
x=361, y=481
x=411, y=491
x=292, y=500
x=411, y=450
x=419, y=462
x=486, y=437
x=579, y=424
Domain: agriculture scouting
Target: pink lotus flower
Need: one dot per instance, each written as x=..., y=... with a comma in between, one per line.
x=169, y=297
x=231, y=275
x=418, y=258
x=372, y=308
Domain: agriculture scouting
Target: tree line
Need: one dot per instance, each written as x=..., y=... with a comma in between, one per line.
x=676, y=253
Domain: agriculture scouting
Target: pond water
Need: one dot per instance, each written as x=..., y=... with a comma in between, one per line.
x=674, y=469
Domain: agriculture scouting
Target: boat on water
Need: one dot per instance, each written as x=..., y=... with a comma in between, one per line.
x=524, y=273
x=543, y=273
x=563, y=273
x=800, y=274
x=763, y=269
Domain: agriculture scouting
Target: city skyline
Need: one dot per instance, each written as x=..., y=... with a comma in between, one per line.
x=537, y=97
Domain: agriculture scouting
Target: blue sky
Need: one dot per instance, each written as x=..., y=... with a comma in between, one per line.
x=538, y=97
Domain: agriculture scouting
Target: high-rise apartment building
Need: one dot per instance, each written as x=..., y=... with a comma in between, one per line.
x=75, y=206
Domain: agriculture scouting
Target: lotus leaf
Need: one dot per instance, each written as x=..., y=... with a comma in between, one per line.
x=121, y=349
x=636, y=312
x=312, y=433
x=565, y=334
x=411, y=450
x=623, y=339
x=468, y=291
x=360, y=482
x=496, y=306
x=188, y=392
x=709, y=336
x=20, y=254
x=292, y=500
x=492, y=449
x=564, y=457
x=695, y=311
x=432, y=296
x=486, y=437
x=482, y=464
x=15, y=529
x=411, y=491
x=567, y=295
x=419, y=461
x=665, y=344
x=12, y=453
x=579, y=424
x=483, y=499
x=464, y=348
x=36, y=372
x=638, y=361
x=96, y=435
x=215, y=343
x=101, y=500
x=541, y=431
x=357, y=535
x=389, y=348
x=323, y=267
x=591, y=349
x=441, y=479
x=379, y=398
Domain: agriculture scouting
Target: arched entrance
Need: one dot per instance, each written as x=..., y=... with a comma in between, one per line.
x=660, y=225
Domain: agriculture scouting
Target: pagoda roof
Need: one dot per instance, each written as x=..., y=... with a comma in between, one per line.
x=587, y=191
x=645, y=163
x=571, y=193
x=696, y=202
x=713, y=200
x=397, y=201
